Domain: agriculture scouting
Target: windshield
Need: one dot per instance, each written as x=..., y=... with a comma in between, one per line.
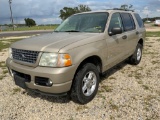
x=88, y=22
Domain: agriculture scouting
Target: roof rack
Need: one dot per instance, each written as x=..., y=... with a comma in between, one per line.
x=122, y=9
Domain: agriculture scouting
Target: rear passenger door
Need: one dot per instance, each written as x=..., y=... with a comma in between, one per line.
x=130, y=30
x=140, y=27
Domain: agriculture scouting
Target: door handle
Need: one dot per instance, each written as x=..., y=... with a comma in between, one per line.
x=137, y=33
x=124, y=37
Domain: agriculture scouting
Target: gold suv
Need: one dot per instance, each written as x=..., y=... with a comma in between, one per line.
x=70, y=59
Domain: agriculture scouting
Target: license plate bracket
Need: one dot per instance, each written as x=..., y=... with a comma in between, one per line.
x=20, y=81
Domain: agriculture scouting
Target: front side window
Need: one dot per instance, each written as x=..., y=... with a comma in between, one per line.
x=115, y=22
x=128, y=21
x=88, y=22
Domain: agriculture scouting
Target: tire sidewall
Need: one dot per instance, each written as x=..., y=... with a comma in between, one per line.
x=79, y=78
x=138, y=47
x=133, y=59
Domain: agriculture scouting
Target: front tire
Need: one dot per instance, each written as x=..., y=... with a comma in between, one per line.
x=85, y=85
x=137, y=55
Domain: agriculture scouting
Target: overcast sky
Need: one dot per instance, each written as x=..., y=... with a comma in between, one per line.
x=47, y=11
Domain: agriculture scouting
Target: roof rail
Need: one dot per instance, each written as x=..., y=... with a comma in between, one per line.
x=122, y=9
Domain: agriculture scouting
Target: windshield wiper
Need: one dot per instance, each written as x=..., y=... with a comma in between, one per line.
x=72, y=31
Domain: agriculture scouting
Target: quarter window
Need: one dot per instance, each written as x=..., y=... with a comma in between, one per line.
x=139, y=20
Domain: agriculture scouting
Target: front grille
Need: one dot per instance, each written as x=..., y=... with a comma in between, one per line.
x=25, y=55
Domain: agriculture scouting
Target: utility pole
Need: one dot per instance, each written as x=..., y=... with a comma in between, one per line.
x=10, y=1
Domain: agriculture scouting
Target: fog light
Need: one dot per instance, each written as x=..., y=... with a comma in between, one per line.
x=43, y=81
x=49, y=83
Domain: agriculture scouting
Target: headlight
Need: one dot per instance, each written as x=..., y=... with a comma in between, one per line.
x=10, y=53
x=55, y=60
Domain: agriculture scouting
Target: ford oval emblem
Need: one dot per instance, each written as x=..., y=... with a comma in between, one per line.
x=22, y=56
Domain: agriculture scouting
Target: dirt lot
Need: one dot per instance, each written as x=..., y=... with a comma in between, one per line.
x=125, y=93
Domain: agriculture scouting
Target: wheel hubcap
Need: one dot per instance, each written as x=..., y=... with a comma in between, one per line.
x=89, y=83
x=139, y=53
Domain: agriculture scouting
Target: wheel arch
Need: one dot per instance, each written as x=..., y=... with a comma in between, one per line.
x=94, y=59
x=141, y=42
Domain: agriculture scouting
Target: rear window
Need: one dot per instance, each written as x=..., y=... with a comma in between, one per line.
x=139, y=20
x=128, y=21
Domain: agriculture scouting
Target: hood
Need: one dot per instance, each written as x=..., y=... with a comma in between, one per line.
x=52, y=42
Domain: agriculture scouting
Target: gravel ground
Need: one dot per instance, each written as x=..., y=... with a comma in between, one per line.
x=125, y=93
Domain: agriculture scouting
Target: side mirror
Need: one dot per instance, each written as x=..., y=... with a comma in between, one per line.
x=115, y=30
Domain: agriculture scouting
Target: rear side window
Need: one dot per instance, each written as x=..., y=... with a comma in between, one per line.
x=139, y=20
x=128, y=21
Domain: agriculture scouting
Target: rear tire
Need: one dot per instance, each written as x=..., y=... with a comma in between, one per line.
x=85, y=85
x=137, y=55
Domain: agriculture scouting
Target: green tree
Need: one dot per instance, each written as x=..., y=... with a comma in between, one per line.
x=29, y=22
x=127, y=7
x=68, y=11
x=82, y=8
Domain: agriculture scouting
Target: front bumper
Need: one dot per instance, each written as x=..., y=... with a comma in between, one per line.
x=60, y=77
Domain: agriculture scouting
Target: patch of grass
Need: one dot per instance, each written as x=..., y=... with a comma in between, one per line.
x=81, y=107
x=149, y=52
x=149, y=98
x=107, y=88
x=113, y=106
x=122, y=71
x=6, y=43
x=3, y=45
x=112, y=118
x=154, y=116
x=140, y=68
x=138, y=76
x=158, y=92
x=140, y=82
x=147, y=39
x=15, y=90
x=134, y=97
x=24, y=28
x=100, y=95
x=112, y=78
x=155, y=62
x=1, y=77
x=148, y=102
x=153, y=34
x=130, y=75
x=2, y=64
x=145, y=87
x=5, y=71
x=71, y=118
x=150, y=42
